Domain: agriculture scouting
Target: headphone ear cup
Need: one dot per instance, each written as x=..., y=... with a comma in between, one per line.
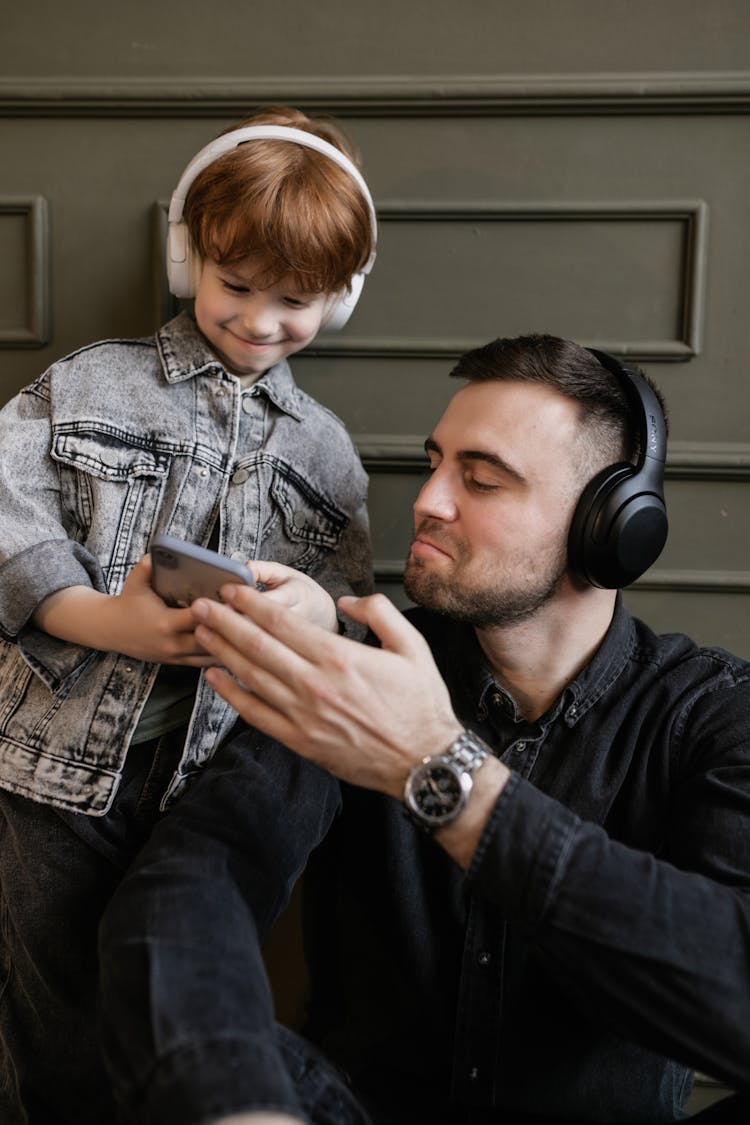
x=618, y=530
x=344, y=305
x=183, y=264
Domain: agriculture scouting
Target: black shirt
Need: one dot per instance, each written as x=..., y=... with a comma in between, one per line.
x=603, y=928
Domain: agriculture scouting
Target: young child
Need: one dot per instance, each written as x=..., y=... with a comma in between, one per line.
x=200, y=432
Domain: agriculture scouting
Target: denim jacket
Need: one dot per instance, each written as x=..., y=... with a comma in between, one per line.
x=119, y=441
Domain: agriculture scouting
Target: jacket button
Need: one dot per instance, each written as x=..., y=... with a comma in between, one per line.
x=240, y=476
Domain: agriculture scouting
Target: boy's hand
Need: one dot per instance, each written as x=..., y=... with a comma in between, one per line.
x=135, y=623
x=296, y=591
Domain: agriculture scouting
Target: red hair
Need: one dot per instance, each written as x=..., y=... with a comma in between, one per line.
x=289, y=206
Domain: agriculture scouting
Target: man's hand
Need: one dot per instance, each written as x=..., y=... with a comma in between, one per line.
x=366, y=714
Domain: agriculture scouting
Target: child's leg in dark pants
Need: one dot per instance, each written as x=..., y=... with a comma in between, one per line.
x=57, y=872
x=189, y=1029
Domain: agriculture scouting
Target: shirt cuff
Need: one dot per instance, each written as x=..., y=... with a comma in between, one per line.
x=521, y=858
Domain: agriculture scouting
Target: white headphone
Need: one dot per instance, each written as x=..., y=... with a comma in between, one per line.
x=183, y=262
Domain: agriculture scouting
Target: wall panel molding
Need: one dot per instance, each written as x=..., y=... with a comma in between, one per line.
x=690, y=283
x=691, y=279
x=697, y=461
x=708, y=461
x=696, y=581
x=32, y=272
x=381, y=95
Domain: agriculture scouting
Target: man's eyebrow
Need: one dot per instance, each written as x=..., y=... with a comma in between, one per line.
x=492, y=459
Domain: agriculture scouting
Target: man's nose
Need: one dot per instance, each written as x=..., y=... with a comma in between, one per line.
x=436, y=499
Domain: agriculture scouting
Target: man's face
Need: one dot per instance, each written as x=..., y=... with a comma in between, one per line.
x=491, y=523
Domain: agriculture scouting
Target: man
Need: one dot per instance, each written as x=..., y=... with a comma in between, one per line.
x=570, y=936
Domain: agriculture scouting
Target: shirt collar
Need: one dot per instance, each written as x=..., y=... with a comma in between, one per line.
x=464, y=665
x=604, y=668
x=184, y=353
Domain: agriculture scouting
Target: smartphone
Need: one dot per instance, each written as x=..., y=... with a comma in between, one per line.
x=184, y=571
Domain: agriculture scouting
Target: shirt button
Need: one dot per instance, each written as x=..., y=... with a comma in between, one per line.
x=240, y=476
x=519, y=747
x=484, y=957
x=248, y=404
x=497, y=698
x=299, y=519
x=474, y=1073
x=203, y=471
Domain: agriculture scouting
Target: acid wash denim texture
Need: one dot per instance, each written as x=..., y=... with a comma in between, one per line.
x=117, y=442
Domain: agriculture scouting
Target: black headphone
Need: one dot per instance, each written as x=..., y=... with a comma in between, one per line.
x=620, y=525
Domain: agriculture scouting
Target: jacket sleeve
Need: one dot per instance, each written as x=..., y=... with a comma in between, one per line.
x=656, y=946
x=38, y=556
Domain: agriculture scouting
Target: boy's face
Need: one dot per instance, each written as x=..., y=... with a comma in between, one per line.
x=251, y=329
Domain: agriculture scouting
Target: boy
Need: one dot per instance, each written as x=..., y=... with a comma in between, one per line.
x=200, y=432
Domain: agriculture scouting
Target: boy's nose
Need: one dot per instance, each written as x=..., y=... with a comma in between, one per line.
x=258, y=318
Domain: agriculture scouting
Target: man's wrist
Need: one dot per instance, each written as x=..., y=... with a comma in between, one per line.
x=439, y=787
x=461, y=837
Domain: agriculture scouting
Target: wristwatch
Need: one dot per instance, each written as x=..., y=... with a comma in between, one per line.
x=438, y=788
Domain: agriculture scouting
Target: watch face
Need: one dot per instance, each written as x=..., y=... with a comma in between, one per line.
x=437, y=791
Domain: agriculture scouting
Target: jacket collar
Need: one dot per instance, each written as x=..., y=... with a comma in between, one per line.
x=184, y=353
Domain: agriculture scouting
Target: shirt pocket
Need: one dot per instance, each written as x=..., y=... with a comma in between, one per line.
x=302, y=523
x=111, y=486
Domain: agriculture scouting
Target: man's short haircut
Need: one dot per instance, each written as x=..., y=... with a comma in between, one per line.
x=287, y=206
x=574, y=372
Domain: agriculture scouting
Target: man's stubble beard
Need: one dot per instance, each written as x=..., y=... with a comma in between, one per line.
x=486, y=606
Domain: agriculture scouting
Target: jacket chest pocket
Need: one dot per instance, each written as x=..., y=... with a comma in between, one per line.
x=302, y=524
x=111, y=486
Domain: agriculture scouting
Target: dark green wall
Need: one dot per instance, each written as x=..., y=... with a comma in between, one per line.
x=555, y=165
x=570, y=166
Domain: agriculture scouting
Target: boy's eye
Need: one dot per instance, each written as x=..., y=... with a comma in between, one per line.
x=232, y=288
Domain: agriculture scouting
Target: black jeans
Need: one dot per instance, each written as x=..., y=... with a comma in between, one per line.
x=188, y=1026
x=58, y=873
x=58, y=870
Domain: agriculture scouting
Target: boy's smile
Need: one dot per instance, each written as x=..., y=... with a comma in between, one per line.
x=250, y=329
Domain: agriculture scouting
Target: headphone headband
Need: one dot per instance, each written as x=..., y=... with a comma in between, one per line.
x=619, y=527
x=181, y=264
x=644, y=404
